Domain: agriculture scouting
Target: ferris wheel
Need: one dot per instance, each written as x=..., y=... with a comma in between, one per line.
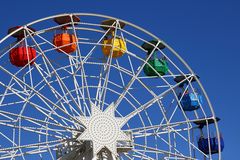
x=86, y=86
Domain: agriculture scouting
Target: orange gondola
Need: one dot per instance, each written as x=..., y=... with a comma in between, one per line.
x=65, y=42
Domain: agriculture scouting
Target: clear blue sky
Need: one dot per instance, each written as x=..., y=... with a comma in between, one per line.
x=205, y=33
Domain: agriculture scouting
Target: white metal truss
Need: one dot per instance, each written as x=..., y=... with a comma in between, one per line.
x=46, y=109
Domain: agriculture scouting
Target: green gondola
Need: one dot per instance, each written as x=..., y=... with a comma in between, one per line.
x=154, y=64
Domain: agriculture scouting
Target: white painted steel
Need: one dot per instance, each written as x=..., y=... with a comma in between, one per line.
x=50, y=96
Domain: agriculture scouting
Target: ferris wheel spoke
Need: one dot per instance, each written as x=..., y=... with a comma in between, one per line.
x=102, y=88
x=174, y=112
x=129, y=58
x=189, y=125
x=57, y=142
x=8, y=118
x=97, y=97
x=34, y=148
x=42, y=110
x=11, y=141
x=143, y=153
x=12, y=83
x=150, y=149
x=187, y=140
x=6, y=91
x=101, y=91
x=171, y=62
x=23, y=98
x=190, y=143
x=128, y=86
x=58, y=95
x=152, y=101
x=8, y=139
x=5, y=153
x=149, y=103
x=29, y=67
x=15, y=154
x=39, y=95
x=34, y=129
x=60, y=82
x=34, y=120
x=138, y=154
x=157, y=136
x=78, y=90
x=120, y=73
x=107, y=68
x=6, y=50
x=93, y=48
x=174, y=147
x=54, y=90
x=37, y=131
x=161, y=126
x=158, y=101
x=51, y=112
x=63, y=89
x=81, y=66
x=127, y=156
x=165, y=55
x=143, y=133
x=148, y=118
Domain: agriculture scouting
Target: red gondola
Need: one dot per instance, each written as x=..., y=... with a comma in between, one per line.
x=22, y=54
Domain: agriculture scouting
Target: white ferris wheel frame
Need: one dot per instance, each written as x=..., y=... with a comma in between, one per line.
x=121, y=95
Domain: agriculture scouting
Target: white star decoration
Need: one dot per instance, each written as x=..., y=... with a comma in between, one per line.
x=103, y=129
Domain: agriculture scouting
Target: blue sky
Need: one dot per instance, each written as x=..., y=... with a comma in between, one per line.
x=205, y=33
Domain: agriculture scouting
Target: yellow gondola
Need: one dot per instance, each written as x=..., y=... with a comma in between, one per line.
x=113, y=44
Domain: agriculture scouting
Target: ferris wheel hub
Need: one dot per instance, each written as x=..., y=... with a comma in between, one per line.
x=103, y=129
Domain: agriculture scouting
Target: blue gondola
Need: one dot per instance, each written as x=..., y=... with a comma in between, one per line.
x=204, y=146
x=190, y=101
